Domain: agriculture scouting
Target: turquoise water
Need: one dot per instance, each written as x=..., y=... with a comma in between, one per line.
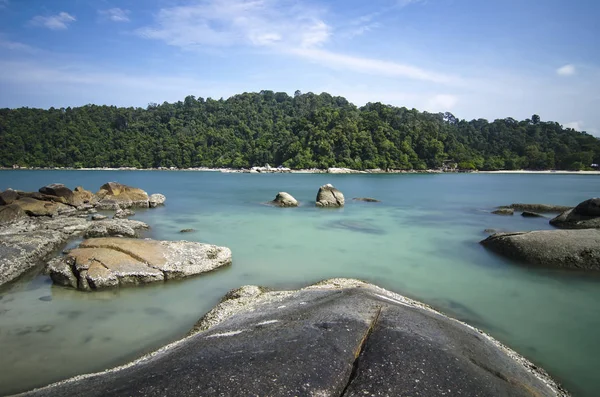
x=420, y=241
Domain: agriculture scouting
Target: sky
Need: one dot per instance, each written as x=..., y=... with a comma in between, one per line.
x=477, y=59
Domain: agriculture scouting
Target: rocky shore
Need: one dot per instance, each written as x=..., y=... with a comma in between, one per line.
x=340, y=337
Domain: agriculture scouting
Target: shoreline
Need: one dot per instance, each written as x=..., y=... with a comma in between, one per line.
x=268, y=170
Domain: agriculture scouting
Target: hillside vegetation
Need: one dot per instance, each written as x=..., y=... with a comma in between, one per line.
x=303, y=131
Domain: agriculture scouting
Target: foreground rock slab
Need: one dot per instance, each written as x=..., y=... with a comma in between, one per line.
x=337, y=338
x=585, y=216
x=329, y=196
x=573, y=249
x=108, y=262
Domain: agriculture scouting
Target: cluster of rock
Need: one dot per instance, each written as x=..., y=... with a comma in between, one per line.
x=577, y=246
x=340, y=337
x=327, y=196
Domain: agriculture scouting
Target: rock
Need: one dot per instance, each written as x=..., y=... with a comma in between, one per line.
x=337, y=338
x=33, y=207
x=42, y=197
x=109, y=262
x=82, y=196
x=98, y=217
x=115, y=227
x=573, y=249
x=92, y=211
x=10, y=213
x=113, y=195
x=58, y=190
x=329, y=196
x=187, y=230
x=492, y=231
x=366, y=199
x=504, y=211
x=123, y=213
x=529, y=214
x=538, y=207
x=585, y=216
x=284, y=199
x=156, y=199
x=8, y=196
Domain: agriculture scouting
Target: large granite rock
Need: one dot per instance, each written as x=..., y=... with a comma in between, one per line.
x=156, y=199
x=337, y=338
x=101, y=263
x=82, y=196
x=58, y=190
x=35, y=207
x=284, y=199
x=329, y=196
x=573, y=249
x=8, y=196
x=113, y=195
x=10, y=213
x=585, y=216
x=115, y=227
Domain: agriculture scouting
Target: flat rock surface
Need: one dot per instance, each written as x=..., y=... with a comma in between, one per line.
x=574, y=249
x=337, y=338
x=109, y=262
x=539, y=207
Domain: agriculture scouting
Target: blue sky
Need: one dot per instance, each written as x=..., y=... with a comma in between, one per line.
x=474, y=58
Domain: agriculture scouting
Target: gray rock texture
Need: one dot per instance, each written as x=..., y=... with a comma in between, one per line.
x=115, y=227
x=337, y=338
x=123, y=213
x=329, y=196
x=538, y=207
x=585, y=216
x=156, y=199
x=10, y=213
x=573, y=249
x=110, y=262
x=283, y=199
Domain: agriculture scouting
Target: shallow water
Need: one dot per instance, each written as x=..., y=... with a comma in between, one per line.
x=420, y=241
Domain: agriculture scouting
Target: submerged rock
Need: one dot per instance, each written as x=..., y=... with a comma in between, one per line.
x=585, y=216
x=573, y=249
x=284, y=199
x=113, y=195
x=156, y=199
x=187, y=230
x=538, y=207
x=110, y=262
x=366, y=199
x=504, y=211
x=529, y=214
x=337, y=338
x=329, y=196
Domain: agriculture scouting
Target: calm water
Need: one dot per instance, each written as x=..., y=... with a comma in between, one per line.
x=421, y=241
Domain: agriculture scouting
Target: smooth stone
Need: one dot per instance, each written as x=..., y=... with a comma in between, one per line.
x=283, y=199
x=571, y=249
x=101, y=263
x=329, y=196
x=585, y=216
x=337, y=338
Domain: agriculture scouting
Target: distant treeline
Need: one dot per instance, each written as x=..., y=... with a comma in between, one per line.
x=303, y=131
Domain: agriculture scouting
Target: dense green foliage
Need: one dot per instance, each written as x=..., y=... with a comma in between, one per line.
x=304, y=131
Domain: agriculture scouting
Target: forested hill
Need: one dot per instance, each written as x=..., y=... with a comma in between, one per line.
x=303, y=131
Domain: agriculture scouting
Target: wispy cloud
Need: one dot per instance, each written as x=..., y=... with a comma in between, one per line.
x=59, y=21
x=442, y=102
x=576, y=125
x=567, y=70
x=17, y=46
x=3, y=4
x=115, y=14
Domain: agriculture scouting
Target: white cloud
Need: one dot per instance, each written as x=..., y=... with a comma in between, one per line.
x=442, y=102
x=16, y=46
x=115, y=14
x=567, y=70
x=53, y=22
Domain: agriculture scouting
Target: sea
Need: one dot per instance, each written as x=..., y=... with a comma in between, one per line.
x=421, y=241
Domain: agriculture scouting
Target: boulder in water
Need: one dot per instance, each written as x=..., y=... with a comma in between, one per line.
x=366, y=199
x=337, y=338
x=113, y=195
x=530, y=214
x=284, y=199
x=572, y=249
x=329, y=196
x=100, y=263
x=156, y=199
x=504, y=211
x=585, y=216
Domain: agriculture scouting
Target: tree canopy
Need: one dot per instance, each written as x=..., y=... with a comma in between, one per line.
x=300, y=131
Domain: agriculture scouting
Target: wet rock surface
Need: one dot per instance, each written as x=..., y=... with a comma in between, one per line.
x=543, y=208
x=585, y=216
x=572, y=249
x=337, y=338
x=504, y=211
x=283, y=199
x=100, y=263
x=329, y=196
